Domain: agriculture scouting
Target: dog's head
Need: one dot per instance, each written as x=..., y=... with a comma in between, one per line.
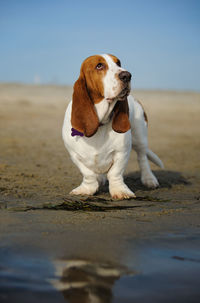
x=101, y=78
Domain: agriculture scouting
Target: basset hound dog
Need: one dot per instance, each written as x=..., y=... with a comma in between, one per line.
x=102, y=124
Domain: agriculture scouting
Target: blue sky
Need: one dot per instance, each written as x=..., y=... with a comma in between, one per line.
x=158, y=41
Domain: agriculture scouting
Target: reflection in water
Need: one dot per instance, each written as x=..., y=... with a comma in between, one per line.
x=167, y=270
x=86, y=282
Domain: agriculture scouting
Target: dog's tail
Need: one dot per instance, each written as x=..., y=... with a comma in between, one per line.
x=154, y=158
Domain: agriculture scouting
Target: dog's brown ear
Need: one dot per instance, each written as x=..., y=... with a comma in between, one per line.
x=121, y=123
x=83, y=118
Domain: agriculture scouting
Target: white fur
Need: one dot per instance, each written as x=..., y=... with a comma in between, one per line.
x=111, y=82
x=107, y=152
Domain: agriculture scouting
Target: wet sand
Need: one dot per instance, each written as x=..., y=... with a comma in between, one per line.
x=39, y=220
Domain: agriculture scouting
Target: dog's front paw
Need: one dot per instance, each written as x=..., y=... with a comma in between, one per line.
x=150, y=181
x=84, y=190
x=121, y=192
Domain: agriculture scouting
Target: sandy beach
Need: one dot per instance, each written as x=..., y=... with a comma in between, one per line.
x=40, y=221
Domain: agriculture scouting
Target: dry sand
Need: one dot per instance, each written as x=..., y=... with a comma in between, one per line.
x=35, y=170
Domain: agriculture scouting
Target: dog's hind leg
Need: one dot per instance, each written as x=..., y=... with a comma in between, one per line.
x=140, y=145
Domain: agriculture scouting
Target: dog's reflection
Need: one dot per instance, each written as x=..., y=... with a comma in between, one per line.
x=85, y=282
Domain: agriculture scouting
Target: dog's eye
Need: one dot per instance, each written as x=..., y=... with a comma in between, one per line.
x=118, y=63
x=99, y=66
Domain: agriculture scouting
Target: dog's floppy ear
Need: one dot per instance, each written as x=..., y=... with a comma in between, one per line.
x=83, y=118
x=121, y=123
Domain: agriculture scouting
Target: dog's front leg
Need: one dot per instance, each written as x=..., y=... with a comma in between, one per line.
x=90, y=184
x=118, y=189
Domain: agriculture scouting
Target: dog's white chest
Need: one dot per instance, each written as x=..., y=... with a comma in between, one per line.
x=98, y=153
x=99, y=162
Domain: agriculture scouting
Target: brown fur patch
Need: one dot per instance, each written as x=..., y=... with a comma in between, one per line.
x=121, y=123
x=94, y=77
x=83, y=117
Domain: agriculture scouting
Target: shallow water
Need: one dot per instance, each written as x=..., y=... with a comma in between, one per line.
x=163, y=269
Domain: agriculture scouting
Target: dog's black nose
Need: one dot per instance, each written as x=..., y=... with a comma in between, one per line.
x=125, y=76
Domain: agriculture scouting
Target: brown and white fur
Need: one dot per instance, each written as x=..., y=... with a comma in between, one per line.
x=111, y=122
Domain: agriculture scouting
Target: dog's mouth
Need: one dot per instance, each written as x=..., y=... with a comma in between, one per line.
x=122, y=95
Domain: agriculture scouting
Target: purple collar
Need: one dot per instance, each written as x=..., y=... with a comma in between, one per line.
x=75, y=132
